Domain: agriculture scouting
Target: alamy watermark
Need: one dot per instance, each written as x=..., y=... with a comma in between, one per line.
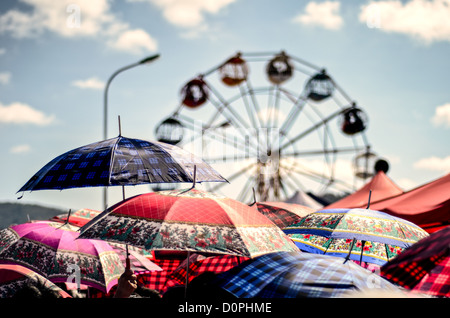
x=74, y=16
x=75, y=275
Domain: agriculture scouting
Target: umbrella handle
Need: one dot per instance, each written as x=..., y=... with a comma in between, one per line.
x=127, y=261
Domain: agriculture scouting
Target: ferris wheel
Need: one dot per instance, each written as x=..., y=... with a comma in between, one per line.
x=272, y=124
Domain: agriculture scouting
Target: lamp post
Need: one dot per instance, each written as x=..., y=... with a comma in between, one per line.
x=105, y=103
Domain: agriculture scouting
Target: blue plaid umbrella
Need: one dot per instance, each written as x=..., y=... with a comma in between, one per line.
x=297, y=275
x=121, y=161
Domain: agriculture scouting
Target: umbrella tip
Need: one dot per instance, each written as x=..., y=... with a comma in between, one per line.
x=368, y=202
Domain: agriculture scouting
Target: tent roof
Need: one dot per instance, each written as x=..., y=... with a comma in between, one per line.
x=303, y=198
x=426, y=204
x=382, y=187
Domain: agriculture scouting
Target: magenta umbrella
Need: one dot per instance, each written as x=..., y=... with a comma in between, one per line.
x=52, y=250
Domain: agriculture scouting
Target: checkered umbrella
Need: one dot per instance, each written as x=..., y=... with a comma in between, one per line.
x=358, y=234
x=424, y=267
x=199, y=264
x=188, y=220
x=121, y=161
x=298, y=275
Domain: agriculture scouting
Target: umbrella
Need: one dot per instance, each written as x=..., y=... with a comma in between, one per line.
x=52, y=250
x=188, y=220
x=77, y=218
x=138, y=261
x=283, y=214
x=297, y=275
x=424, y=267
x=121, y=161
x=14, y=277
x=359, y=234
x=199, y=264
x=157, y=279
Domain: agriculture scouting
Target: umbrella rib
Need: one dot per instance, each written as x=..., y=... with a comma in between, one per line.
x=113, y=150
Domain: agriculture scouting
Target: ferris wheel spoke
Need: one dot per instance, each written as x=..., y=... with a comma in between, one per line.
x=233, y=176
x=246, y=189
x=223, y=107
x=318, y=177
x=240, y=142
x=310, y=130
x=323, y=151
x=313, y=175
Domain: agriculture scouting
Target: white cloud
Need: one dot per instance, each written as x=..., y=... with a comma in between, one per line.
x=90, y=83
x=189, y=13
x=83, y=18
x=2, y=51
x=5, y=77
x=434, y=163
x=136, y=41
x=324, y=14
x=442, y=116
x=19, y=113
x=425, y=20
x=20, y=149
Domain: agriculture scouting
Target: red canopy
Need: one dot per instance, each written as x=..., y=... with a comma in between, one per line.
x=428, y=206
x=382, y=187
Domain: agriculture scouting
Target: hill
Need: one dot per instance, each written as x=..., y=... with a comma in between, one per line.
x=16, y=213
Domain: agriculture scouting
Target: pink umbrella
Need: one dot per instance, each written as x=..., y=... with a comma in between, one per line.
x=52, y=250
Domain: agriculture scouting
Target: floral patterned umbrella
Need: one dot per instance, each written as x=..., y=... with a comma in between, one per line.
x=358, y=234
x=52, y=250
x=14, y=277
x=188, y=220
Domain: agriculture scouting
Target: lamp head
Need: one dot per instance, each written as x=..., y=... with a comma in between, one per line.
x=149, y=59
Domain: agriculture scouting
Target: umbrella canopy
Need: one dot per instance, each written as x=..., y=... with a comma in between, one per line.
x=424, y=267
x=283, y=214
x=15, y=277
x=52, y=250
x=359, y=234
x=121, y=161
x=297, y=275
x=188, y=220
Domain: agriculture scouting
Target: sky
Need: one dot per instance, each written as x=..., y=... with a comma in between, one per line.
x=392, y=57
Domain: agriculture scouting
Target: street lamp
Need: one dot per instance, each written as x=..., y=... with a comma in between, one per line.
x=105, y=102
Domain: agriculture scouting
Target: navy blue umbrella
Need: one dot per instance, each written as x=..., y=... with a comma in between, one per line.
x=121, y=161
